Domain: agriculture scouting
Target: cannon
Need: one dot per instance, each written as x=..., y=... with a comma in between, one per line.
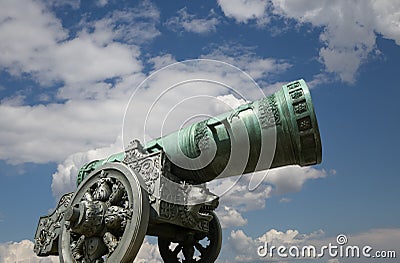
x=159, y=188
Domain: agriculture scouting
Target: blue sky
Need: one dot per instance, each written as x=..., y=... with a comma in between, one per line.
x=68, y=68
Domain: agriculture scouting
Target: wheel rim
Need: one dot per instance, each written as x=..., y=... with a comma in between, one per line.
x=199, y=248
x=107, y=218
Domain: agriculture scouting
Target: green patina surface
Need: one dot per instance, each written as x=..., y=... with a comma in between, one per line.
x=284, y=122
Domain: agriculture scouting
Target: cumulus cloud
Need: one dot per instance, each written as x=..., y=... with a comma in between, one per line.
x=35, y=43
x=46, y=54
x=148, y=253
x=134, y=26
x=348, y=35
x=24, y=33
x=162, y=61
x=50, y=133
x=75, y=4
x=22, y=252
x=259, y=68
x=64, y=180
x=190, y=23
x=97, y=73
x=230, y=217
x=236, y=192
x=285, y=200
x=292, y=178
x=349, y=28
x=238, y=196
x=245, y=10
x=102, y=3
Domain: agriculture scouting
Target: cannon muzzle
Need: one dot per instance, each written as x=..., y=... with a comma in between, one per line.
x=275, y=131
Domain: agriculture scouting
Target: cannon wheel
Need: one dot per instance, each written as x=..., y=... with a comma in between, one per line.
x=107, y=218
x=199, y=248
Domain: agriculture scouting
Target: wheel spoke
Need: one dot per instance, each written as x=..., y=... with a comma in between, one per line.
x=177, y=249
x=200, y=248
x=188, y=252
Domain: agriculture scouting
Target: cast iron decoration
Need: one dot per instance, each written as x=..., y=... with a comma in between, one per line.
x=159, y=189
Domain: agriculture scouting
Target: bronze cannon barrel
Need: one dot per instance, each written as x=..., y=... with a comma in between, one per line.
x=275, y=131
x=157, y=189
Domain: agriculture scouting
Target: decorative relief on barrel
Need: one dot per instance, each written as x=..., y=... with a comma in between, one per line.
x=201, y=138
x=296, y=94
x=293, y=85
x=268, y=112
x=300, y=107
x=304, y=123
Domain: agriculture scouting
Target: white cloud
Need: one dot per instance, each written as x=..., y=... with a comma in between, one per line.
x=291, y=179
x=15, y=100
x=22, y=252
x=27, y=34
x=245, y=10
x=83, y=61
x=230, y=217
x=245, y=58
x=64, y=180
x=242, y=245
x=162, y=61
x=102, y=3
x=350, y=29
x=235, y=191
x=75, y=4
x=191, y=23
x=34, y=42
x=236, y=198
x=387, y=18
x=285, y=200
x=133, y=26
x=50, y=133
x=148, y=253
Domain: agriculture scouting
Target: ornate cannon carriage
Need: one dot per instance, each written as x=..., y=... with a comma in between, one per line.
x=159, y=189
